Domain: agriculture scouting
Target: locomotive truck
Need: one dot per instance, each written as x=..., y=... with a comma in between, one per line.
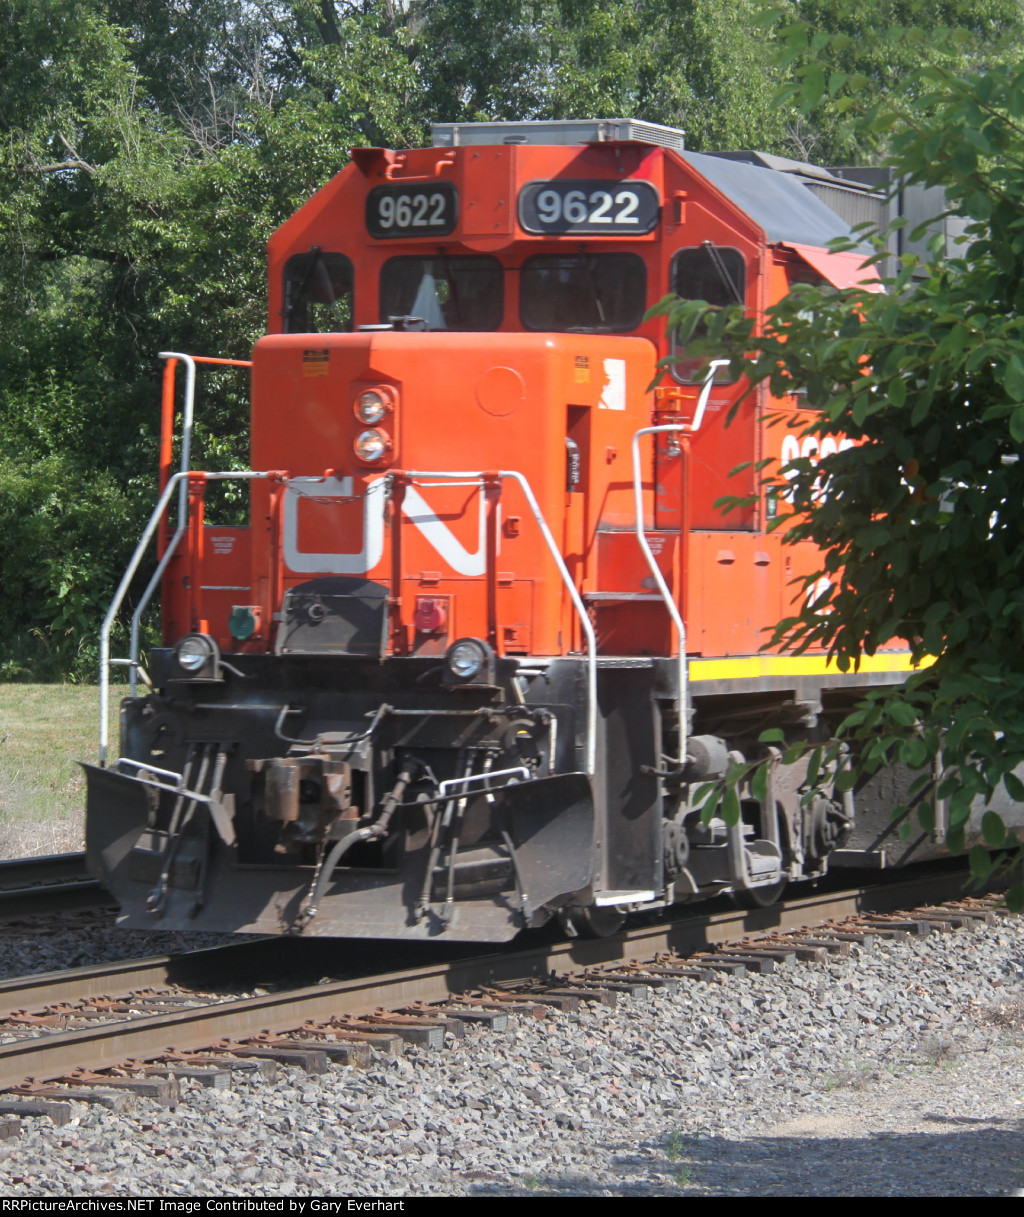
x=485, y=631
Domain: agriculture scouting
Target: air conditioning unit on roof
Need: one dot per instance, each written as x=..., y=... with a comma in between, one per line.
x=558, y=131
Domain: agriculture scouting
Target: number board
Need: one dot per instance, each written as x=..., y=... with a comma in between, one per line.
x=594, y=207
x=416, y=209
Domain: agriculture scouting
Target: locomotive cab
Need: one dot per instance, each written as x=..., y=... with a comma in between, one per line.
x=485, y=634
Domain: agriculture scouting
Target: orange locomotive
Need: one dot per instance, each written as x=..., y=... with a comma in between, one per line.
x=485, y=632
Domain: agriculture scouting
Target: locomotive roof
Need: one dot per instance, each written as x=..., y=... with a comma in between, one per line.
x=779, y=202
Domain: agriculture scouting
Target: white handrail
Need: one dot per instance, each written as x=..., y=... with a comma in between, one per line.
x=666, y=595
x=475, y=779
x=682, y=674
x=175, y=482
x=187, y=419
x=705, y=393
x=140, y=608
x=549, y=540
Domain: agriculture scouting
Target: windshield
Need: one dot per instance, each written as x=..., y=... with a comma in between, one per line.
x=447, y=293
x=583, y=293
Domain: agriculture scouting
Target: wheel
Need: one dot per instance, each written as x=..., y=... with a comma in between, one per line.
x=760, y=897
x=592, y=921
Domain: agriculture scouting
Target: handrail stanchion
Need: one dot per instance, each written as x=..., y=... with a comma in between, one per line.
x=396, y=627
x=492, y=496
x=115, y=604
x=166, y=442
x=638, y=523
x=549, y=540
x=187, y=420
x=174, y=483
x=136, y=628
x=659, y=579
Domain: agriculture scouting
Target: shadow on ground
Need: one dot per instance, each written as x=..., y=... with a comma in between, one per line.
x=963, y=1156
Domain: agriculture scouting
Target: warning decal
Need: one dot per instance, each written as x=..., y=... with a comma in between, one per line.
x=314, y=363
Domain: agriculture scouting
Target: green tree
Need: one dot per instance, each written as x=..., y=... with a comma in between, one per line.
x=920, y=525
x=837, y=50
x=696, y=64
x=148, y=151
x=710, y=67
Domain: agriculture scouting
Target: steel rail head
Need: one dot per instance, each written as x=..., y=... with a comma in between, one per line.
x=192, y=1028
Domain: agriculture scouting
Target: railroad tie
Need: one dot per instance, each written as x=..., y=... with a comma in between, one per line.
x=59, y=1113
x=640, y=980
x=495, y=1020
x=353, y=1052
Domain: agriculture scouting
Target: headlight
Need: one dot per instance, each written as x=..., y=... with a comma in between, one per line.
x=198, y=655
x=468, y=657
x=371, y=445
x=370, y=407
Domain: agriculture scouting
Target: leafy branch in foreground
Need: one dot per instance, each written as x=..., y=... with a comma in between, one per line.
x=919, y=523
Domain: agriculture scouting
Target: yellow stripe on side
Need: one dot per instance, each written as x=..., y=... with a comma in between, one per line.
x=751, y=667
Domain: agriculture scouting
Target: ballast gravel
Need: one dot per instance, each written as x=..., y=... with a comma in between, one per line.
x=83, y=939
x=898, y=1071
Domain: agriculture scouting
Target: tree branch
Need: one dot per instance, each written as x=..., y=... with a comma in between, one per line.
x=75, y=161
x=90, y=169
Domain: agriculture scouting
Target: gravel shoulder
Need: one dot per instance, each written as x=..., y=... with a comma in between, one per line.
x=899, y=1071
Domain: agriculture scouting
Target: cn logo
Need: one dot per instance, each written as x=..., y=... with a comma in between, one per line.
x=416, y=510
x=793, y=449
x=816, y=593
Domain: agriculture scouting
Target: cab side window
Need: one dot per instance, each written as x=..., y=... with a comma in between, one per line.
x=317, y=293
x=717, y=274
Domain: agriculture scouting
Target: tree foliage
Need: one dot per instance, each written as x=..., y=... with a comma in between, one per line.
x=835, y=52
x=147, y=152
x=920, y=525
x=695, y=64
x=149, y=148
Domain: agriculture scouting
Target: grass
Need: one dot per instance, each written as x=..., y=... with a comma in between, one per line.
x=1008, y=1014
x=857, y=1076
x=44, y=731
x=940, y=1052
x=675, y=1146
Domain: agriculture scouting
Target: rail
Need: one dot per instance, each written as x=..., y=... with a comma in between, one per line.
x=588, y=629
x=36, y=886
x=104, y=1043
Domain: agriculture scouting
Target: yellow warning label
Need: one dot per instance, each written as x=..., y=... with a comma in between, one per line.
x=582, y=369
x=314, y=363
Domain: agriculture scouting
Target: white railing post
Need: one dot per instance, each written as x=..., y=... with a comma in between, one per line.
x=682, y=675
x=581, y=611
x=173, y=483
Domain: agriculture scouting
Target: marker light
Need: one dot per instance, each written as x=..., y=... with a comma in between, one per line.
x=198, y=654
x=467, y=658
